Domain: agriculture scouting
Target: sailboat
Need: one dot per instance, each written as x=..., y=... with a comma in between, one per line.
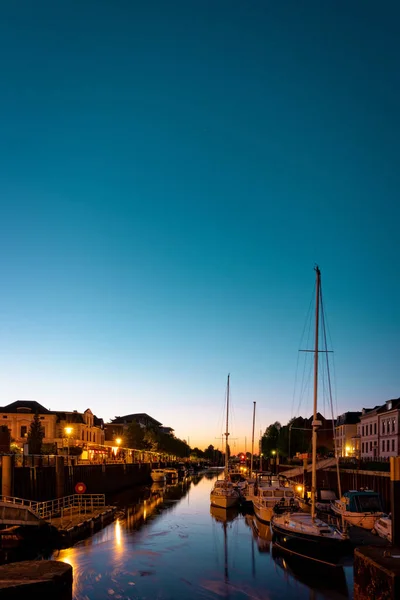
x=303, y=534
x=224, y=493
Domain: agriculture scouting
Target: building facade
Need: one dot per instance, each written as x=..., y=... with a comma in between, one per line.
x=388, y=424
x=345, y=434
x=368, y=430
x=118, y=427
x=63, y=430
x=18, y=417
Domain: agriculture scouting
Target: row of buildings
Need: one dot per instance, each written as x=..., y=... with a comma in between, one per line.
x=373, y=433
x=72, y=432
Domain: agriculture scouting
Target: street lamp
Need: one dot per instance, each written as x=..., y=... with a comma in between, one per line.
x=273, y=452
x=118, y=441
x=68, y=431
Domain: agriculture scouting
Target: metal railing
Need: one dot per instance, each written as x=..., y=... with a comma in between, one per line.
x=51, y=509
x=32, y=504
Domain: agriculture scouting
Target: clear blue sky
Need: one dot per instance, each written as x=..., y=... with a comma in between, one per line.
x=170, y=172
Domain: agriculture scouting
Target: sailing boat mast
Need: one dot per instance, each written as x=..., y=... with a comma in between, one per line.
x=226, y=432
x=315, y=423
x=252, y=441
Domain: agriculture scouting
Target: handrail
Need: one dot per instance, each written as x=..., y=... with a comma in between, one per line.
x=56, y=507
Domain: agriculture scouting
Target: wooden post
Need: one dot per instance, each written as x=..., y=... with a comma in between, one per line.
x=395, y=498
x=7, y=475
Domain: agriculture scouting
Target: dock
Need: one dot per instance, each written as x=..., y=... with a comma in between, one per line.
x=75, y=523
x=67, y=518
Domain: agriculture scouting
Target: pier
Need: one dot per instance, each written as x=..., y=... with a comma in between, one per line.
x=67, y=518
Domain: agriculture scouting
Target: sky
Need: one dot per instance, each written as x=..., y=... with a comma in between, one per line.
x=170, y=174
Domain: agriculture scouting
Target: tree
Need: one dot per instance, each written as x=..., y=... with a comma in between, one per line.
x=198, y=453
x=135, y=436
x=35, y=436
x=151, y=440
x=270, y=438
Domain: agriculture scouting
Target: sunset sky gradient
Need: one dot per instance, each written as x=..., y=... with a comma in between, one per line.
x=170, y=173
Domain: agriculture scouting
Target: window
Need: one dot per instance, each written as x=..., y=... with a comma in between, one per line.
x=362, y=447
x=383, y=445
x=370, y=429
x=383, y=427
x=387, y=445
x=392, y=445
x=363, y=430
x=374, y=428
x=5, y=417
x=393, y=425
x=370, y=446
x=83, y=435
x=44, y=431
x=24, y=430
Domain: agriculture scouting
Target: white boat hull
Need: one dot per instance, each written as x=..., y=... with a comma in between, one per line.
x=157, y=476
x=224, y=501
x=383, y=527
x=264, y=513
x=364, y=520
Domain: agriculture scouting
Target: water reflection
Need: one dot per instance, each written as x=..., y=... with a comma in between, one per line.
x=168, y=543
x=261, y=532
x=331, y=580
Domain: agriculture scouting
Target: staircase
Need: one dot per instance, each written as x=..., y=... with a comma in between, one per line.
x=322, y=464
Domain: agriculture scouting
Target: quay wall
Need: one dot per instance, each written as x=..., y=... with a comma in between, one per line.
x=39, y=483
x=350, y=479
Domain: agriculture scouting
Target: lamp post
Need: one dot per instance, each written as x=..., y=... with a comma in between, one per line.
x=68, y=431
x=118, y=441
x=274, y=459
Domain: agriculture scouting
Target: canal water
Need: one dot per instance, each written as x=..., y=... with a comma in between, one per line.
x=169, y=544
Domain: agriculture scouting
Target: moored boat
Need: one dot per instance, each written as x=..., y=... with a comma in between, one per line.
x=225, y=493
x=272, y=499
x=383, y=527
x=302, y=534
x=171, y=474
x=157, y=475
x=361, y=508
x=323, y=500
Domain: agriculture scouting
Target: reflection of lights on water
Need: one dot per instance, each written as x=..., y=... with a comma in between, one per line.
x=68, y=555
x=118, y=533
x=145, y=513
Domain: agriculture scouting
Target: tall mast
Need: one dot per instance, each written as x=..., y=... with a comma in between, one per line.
x=252, y=440
x=226, y=432
x=315, y=423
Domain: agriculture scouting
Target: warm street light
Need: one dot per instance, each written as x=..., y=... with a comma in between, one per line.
x=68, y=431
x=118, y=441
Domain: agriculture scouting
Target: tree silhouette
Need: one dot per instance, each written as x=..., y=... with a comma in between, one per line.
x=135, y=436
x=35, y=436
